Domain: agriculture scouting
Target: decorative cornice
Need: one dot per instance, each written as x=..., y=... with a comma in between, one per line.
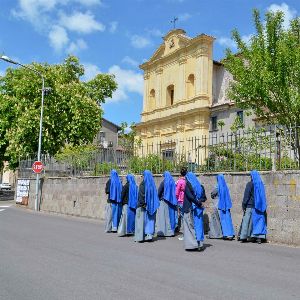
x=146, y=76
x=202, y=51
x=182, y=60
x=192, y=100
x=222, y=106
x=180, y=127
x=190, y=113
x=156, y=132
x=159, y=71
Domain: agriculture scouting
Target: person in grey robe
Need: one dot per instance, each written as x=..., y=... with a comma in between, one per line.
x=254, y=225
x=166, y=214
x=147, y=206
x=215, y=230
x=113, y=207
x=129, y=197
x=193, y=227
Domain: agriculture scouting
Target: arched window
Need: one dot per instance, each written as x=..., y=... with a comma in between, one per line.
x=152, y=99
x=191, y=86
x=170, y=95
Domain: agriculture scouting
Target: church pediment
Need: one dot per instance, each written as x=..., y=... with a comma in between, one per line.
x=173, y=41
x=158, y=53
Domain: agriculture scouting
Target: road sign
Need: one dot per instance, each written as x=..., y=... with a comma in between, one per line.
x=37, y=167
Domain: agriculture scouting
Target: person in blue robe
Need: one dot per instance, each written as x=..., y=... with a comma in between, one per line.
x=129, y=198
x=166, y=214
x=221, y=223
x=113, y=207
x=193, y=227
x=254, y=226
x=147, y=206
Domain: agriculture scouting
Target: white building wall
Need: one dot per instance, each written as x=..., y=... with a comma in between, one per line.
x=226, y=113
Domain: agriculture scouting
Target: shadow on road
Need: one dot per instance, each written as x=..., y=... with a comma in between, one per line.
x=7, y=195
x=159, y=238
x=199, y=250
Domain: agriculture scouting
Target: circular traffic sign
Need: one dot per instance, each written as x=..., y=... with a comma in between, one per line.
x=37, y=167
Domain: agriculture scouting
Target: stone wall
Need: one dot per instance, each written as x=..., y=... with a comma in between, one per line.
x=85, y=196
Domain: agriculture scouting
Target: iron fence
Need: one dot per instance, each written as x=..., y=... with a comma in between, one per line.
x=271, y=148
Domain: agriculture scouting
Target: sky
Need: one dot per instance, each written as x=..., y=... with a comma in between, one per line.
x=116, y=36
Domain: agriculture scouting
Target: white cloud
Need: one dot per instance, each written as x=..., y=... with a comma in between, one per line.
x=34, y=11
x=247, y=38
x=49, y=18
x=128, y=81
x=226, y=42
x=184, y=17
x=128, y=60
x=89, y=2
x=58, y=37
x=289, y=13
x=90, y=71
x=113, y=26
x=81, y=22
x=140, y=42
x=155, y=32
x=76, y=46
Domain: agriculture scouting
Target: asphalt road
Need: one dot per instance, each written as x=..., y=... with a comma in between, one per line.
x=52, y=257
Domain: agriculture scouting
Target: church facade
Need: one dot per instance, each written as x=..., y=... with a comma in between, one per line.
x=184, y=95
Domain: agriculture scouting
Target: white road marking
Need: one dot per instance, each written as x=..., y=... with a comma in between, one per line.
x=3, y=207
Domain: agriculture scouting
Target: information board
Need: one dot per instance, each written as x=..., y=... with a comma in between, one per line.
x=22, y=189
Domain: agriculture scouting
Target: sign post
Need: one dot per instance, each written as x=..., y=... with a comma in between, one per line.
x=37, y=168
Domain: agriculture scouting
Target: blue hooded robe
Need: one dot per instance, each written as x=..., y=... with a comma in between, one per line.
x=115, y=197
x=259, y=226
x=170, y=197
x=197, y=211
x=224, y=206
x=132, y=203
x=152, y=202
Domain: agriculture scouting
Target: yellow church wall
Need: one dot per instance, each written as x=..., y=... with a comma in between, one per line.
x=188, y=66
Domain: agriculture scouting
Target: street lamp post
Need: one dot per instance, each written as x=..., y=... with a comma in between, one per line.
x=37, y=187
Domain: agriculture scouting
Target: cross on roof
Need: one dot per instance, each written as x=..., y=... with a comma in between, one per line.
x=175, y=19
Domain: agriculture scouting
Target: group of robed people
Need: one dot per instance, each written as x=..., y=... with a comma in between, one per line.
x=145, y=210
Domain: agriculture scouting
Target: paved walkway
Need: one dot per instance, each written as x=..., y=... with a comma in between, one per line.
x=52, y=257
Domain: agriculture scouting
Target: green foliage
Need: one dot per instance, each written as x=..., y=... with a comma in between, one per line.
x=221, y=123
x=243, y=151
x=77, y=156
x=221, y=159
x=237, y=124
x=104, y=168
x=151, y=162
x=266, y=70
x=286, y=163
x=72, y=113
x=127, y=137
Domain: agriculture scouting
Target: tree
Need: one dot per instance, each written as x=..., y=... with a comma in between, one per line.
x=221, y=124
x=127, y=137
x=72, y=111
x=80, y=157
x=266, y=71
